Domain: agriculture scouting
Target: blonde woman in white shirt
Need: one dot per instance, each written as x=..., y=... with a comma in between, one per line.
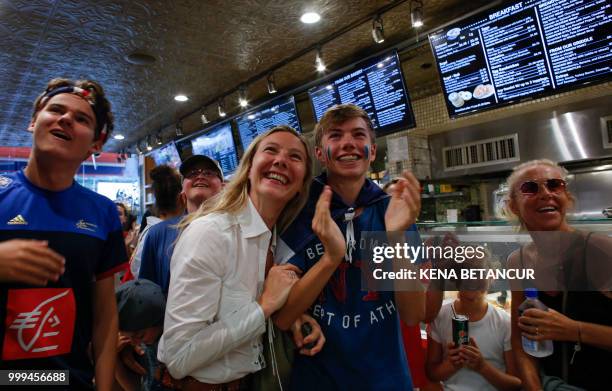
x=218, y=302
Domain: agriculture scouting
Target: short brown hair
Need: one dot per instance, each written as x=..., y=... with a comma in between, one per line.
x=101, y=107
x=339, y=114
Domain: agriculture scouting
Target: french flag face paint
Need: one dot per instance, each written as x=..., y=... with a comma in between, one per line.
x=329, y=153
x=366, y=152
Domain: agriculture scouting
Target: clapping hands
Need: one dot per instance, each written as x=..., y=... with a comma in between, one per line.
x=326, y=228
x=405, y=204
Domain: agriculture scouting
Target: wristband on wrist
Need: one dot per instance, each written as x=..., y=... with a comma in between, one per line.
x=578, y=345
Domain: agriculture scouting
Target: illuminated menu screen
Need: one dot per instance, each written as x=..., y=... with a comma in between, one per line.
x=167, y=154
x=521, y=50
x=279, y=112
x=218, y=143
x=376, y=86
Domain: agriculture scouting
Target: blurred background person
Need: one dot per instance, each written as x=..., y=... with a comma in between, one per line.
x=128, y=226
x=166, y=185
x=411, y=337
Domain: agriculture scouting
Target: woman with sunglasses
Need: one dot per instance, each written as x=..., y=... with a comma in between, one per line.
x=576, y=290
x=223, y=285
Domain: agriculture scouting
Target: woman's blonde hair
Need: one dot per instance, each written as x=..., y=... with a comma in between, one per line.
x=236, y=193
x=512, y=182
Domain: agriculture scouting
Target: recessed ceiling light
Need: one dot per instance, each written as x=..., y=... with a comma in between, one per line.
x=310, y=17
x=118, y=136
x=181, y=98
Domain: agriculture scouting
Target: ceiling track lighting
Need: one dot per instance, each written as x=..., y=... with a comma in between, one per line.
x=242, y=97
x=138, y=149
x=221, y=108
x=319, y=64
x=416, y=13
x=203, y=116
x=158, y=139
x=148, y=144
x=378, y=32
x=179, y=129
x=271, y=84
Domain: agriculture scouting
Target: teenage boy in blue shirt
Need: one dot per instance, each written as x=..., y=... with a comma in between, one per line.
x=60, y=245
x=364, y=348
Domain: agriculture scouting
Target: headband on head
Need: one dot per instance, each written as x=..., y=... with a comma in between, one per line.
x=90, y=97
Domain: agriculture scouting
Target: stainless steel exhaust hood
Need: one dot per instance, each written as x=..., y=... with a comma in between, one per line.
x=574, y=132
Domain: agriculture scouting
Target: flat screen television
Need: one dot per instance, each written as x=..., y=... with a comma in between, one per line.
x=218, y=143
x=377, y=86
x=167, y=154
x=521, y=50
x=279, y=112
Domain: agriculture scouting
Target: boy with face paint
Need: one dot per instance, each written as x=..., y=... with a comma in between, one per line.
x=363, y=349
x=60, y=245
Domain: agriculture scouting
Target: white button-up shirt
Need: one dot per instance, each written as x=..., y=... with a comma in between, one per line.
x=213, y=324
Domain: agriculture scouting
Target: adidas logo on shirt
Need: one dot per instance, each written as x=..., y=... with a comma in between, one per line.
x=17, y=220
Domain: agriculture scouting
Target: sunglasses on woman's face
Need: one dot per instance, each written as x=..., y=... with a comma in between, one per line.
x=554, y=185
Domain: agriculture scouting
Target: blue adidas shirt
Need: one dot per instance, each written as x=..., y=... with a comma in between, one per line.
x=51, y=327
x=364, y=348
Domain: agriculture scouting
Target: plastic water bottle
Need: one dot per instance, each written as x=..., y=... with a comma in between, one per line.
x=535, y=348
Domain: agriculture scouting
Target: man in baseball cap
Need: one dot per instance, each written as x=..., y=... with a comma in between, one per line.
x=141, y=306
x=195, y=161
x=202, y=179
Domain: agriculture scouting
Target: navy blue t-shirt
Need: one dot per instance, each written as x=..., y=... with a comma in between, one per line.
x=51, y=327
x=364, y=348
x=157, y=252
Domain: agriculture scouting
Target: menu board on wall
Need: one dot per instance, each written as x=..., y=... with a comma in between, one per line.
x=218, y=143
x=377, y=86
x=523, y=49
x=279, y=112
x=167, y=154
